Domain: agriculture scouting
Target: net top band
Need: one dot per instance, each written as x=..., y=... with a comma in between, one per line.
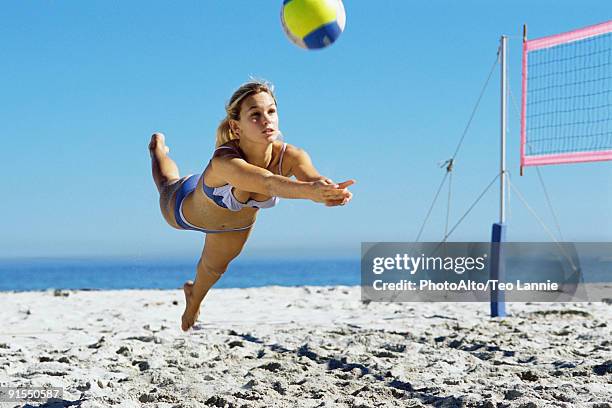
x=570, y=36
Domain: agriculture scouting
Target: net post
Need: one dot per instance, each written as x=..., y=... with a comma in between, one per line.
x=504, y=100
x=496, y=271
x=523, y=99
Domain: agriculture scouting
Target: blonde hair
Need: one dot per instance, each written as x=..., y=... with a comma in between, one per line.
x=232, y=109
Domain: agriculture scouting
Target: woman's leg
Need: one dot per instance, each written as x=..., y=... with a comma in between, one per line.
x=165, y=169
x=219, y=250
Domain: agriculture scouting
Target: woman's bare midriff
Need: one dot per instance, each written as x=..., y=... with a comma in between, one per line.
x=202, y=212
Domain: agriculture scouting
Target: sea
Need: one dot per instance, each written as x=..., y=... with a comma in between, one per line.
x=35, y=274
x=90, y=273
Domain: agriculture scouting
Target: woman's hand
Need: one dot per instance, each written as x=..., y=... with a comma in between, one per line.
x=330, y=194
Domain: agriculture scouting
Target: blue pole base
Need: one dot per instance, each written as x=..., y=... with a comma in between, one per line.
x=497, y=270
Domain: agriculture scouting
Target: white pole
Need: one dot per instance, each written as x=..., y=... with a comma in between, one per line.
x=504, y=92
x=497, y=271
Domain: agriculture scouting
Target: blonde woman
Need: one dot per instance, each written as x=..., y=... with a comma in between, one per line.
x=250, y=169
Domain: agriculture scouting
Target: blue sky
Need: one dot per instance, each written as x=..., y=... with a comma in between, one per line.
x=84, y=84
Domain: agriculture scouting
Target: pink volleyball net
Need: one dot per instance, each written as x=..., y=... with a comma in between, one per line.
x=566, y=114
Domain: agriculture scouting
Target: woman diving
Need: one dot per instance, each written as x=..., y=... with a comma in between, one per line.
x=250, y=169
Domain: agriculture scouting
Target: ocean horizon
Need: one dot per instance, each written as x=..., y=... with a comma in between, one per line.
x=34, y=274
x=112, y=273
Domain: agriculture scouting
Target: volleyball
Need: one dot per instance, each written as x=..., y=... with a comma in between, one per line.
x=313, y=24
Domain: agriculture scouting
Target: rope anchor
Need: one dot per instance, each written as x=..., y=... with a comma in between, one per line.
x=448, y=164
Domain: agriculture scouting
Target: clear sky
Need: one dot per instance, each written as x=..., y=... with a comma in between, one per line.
x=85, y=83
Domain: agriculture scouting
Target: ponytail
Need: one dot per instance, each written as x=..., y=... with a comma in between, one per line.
x=224, y=133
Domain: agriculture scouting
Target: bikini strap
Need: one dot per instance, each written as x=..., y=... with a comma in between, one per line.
x=280, y=161
x=224, y=147
x=233, y=149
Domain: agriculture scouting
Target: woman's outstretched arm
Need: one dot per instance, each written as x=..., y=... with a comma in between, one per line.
x=245, y=176
x=301, y=165
x=303, y=169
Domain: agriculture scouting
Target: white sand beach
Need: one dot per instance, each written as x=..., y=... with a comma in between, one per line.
x=302, y=347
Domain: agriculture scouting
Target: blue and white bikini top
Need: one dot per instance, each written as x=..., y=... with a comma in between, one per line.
x=224, y=196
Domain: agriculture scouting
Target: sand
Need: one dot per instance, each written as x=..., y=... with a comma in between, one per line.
x=302, y=347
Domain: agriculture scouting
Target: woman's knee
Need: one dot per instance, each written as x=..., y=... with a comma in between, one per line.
x=215, y=269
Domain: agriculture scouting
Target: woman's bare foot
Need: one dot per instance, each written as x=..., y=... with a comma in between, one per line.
x=157, y=145
x=190, y=315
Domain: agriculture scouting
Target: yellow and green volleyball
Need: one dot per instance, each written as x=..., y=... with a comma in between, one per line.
x=313, y=24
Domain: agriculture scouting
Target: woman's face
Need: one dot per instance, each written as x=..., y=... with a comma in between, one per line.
x=258, y=119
